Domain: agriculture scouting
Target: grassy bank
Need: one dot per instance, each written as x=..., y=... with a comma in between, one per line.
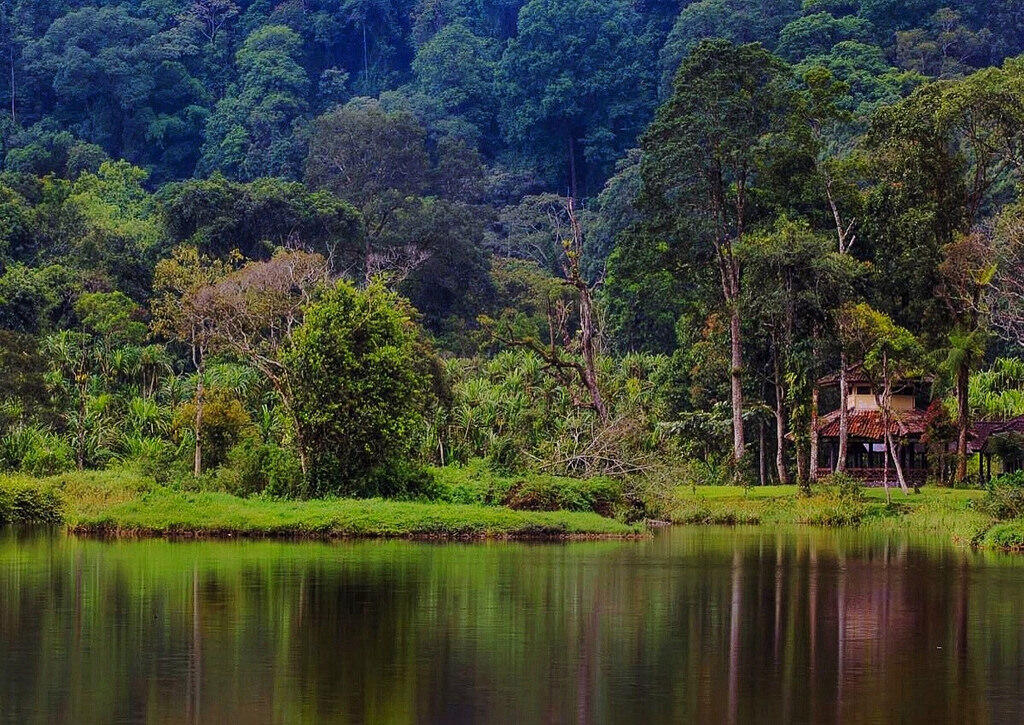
x=932, y=510
x=120, y=503
x=123, y=503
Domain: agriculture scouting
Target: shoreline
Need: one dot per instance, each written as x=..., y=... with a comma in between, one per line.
x=121, y=505
x=102, y=533
x=117, y=504
x=953, y=512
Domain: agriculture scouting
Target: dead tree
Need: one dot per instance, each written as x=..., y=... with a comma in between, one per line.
x=570, y=355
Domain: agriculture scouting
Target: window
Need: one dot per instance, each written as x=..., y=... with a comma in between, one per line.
x=863, y=390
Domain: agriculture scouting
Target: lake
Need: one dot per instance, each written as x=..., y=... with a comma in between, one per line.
x=697, y=624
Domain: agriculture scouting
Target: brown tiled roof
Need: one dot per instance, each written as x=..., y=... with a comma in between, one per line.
x=868, y=423
x=985, y=429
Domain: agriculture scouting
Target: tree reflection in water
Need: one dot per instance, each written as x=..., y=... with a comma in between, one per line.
x=711, y=625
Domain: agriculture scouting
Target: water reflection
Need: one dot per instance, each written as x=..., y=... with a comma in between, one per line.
x=708, y=625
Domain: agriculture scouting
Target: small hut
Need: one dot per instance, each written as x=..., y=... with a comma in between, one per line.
x=866, y=454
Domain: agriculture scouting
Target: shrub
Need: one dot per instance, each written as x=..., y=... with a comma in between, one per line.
x=402, y=480
x=29, y=503
x=512, y=411
x=842, y=486
x=476, y=483
x=1005, y=496
x=255, y=466
x=224, y=419
x=551, y=493
x=359, y=370
x=152, y=456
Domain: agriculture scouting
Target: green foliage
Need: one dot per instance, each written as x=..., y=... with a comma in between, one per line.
x=544, y=493
x=843, y=486
x=1004, y=497
x=29, y=502
x=357, y=371
x=457, y=67
x=818, y=33
x=998, y=392
x=34, y=450
x=252, y=132
x=224, y=420
x=258, y=467
x=576, y=73
x=478, y=484
x=511, y=411
x=219, y=216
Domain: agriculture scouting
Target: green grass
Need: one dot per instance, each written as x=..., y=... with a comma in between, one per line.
x=476, y=483
x=1007, y=535
x=121, y=503
x=932, y=510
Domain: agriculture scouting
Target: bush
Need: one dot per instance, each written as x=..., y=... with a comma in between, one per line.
x=151, y=456
x=1008, y=535
x=1005, y=496
x=401, y=480
x=473, y=483
x=255, y=466
x=476, y=483
x=512, y=411
x=842, y=486
x=224, y=419
x=29, y=503
x=551, y=493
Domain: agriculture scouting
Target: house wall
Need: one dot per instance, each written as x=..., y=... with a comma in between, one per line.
x=859, y=400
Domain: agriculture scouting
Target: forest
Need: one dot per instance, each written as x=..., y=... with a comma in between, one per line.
x=322, y=248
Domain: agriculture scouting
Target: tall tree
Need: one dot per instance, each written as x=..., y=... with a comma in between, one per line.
x=184, y=310
x=793, y=280
x=702, y=156
x=576, y=83
x=944, y=157
x=252, y=132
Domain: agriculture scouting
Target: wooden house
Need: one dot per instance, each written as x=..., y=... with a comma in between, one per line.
x=866, y=454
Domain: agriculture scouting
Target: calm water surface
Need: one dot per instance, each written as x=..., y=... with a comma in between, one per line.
x=702, y=625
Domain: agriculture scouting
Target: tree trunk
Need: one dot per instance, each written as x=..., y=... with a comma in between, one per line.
x=844, y=416
x=300, y=445
x=760, y=453
x=892, y=450
x=885, y=472
x=14, y=97
x=963, y=376
x=890, y=446
x=814, y=434
x=197, y=466
x=199, y=362
x=366, y=55
x=780, y=426
x=802, y=476
x=736, y=374
x=588, y=320
x=80, y=443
